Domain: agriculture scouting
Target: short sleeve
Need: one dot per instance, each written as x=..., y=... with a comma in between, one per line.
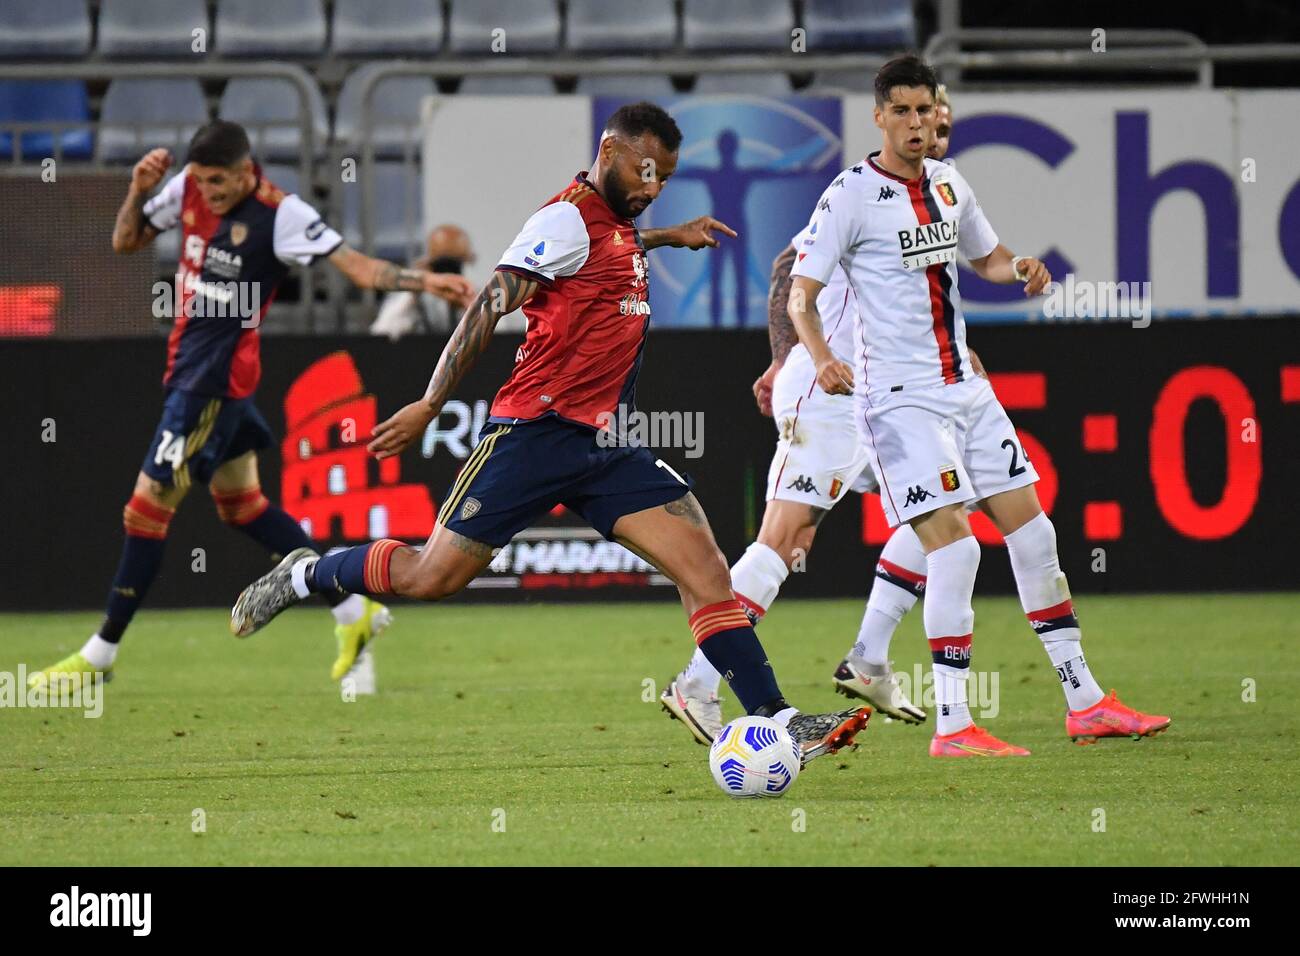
x=833, y=230
x=977, y=238
x=163, y=211
x=301, y=235
x=553, y=243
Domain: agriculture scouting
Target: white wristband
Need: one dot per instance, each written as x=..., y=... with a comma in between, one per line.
x=1015, y=268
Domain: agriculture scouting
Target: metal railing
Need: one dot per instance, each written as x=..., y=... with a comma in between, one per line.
x=1038, y=51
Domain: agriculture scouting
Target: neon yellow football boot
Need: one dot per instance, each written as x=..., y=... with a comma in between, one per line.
x=353, y=637
x=72, y=664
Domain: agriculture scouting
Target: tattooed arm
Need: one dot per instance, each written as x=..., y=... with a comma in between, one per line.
x=367, y=273
x=780, y=330
x=132, y=231
x=505, y=292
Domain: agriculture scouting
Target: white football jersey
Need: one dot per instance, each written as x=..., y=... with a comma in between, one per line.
x=898, y=241
x=834, y=305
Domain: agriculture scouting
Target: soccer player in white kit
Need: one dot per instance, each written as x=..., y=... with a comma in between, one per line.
x=937, y=436
x=818, y=452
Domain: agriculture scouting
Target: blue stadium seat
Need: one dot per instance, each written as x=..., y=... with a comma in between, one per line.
x=268, y=28
x=621, y=25
x=34, y=101
x=387, y=27
x=151, y=29
x=531, y=26
x=49, y=28
x=394, y=109
x=507, y=86
x=631, y=86
x=269, y=108
x=854, y=25
x=756, y=84
x=714, y=25
x=398, y=216
x=137, y=115
x=287, y=178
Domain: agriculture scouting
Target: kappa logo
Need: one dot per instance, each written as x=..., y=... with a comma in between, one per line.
x=839, y=182
x=803, y=483
x=886, y=192
x=824, y=205
x=915, y=495
x=470, y=508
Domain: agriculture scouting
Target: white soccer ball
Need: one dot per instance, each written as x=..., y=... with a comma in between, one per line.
x=754, y=757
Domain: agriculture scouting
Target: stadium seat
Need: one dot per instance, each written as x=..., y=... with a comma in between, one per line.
x=50, y=28
x=756, y=84
x=394, y=109
x=843, y=81
x=531, y=26
x=399, y=196
x=623, y=26
x=713, y=25
x=150, y=29
x=286, y=177
x=269, y=28
x=507, y=86
x=630, y=86
x=269, y=108
x=137, y=115
x=854, y=25
x=387, y=27
x=29, y=101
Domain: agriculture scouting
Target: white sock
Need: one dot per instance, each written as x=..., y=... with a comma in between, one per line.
x=949, y=623
x=1045, y=597
x=900, y=580
x=99, y=652
x=782, y=717
x=757, y=578
x=350, y=611
x=298, y=577
x=700, y=678
x=953, y=712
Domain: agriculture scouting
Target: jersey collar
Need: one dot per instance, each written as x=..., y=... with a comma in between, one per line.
x=871, y=161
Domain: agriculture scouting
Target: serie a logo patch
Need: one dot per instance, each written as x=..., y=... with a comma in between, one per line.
x=948, y=478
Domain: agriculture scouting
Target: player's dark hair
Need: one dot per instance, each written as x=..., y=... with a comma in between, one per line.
x=906, y=70
x=633, y=119
x=218, y=143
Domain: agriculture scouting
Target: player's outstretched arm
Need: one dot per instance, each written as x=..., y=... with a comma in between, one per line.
x=834, y=376
x=366, y=272
x=132, y=231
x=780, y=330
x=1003, y=266
x=696, y=234
x=505, y=292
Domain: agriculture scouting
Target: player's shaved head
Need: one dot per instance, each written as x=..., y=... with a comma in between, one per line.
x=219, y=143
x=632, y=120
x=638, y=152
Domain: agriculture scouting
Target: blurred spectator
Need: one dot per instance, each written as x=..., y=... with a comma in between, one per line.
x=448, y=250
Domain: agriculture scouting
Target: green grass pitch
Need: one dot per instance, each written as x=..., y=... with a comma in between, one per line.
x=518, y=735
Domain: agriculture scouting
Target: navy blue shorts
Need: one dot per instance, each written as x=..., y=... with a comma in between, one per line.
x=199, y=433
x=517, y=473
